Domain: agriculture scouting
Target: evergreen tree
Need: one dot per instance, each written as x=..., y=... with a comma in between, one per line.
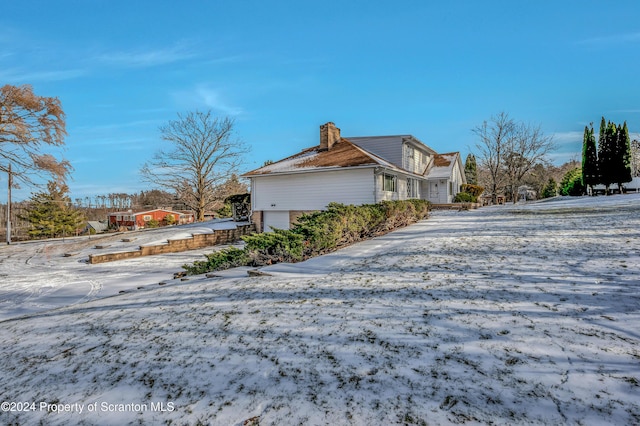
x=471, y=169
x=571, y=183
x=606, y=153
x=622, y=157
x=550, y=189
x=590, y=175
x=51, y=213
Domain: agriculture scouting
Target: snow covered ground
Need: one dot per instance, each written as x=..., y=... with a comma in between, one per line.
x=504, y=315
x=37, y=276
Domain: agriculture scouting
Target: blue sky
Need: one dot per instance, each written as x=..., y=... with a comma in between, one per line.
x=282, y=68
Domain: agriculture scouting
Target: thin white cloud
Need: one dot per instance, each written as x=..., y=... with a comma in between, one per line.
x=147, y=58
x=226, y=60
x=24, y=60
x=573, y=138
x=17, y=75
x=204, y=96
x=568, y=137
x=559, y=158
x=612, y=39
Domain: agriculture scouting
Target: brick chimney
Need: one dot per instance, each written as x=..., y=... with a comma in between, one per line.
x=329, y=135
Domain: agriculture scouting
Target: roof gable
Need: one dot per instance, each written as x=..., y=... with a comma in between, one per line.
x=443, y=165
x=364, y=141
x=342, y=154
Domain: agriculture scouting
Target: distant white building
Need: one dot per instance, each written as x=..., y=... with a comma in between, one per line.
x=633, y=186
x=351, y=170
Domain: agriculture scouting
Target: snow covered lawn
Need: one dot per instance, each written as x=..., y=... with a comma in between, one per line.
x=42, y=275
x=503, y=315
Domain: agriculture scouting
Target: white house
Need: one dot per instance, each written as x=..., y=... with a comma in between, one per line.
x=351, y=170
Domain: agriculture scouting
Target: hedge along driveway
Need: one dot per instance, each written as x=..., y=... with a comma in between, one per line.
x=316, y=234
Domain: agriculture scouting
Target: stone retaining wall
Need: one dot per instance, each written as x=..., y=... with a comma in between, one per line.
x=456, y=206
x=219, y=236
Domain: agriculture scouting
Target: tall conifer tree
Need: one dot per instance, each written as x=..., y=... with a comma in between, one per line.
x=51, y=214
x=590, y=176
x=471, y=169
x=606, y=153
x=622, y=156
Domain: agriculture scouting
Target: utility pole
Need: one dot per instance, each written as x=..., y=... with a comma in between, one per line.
x=10, y=180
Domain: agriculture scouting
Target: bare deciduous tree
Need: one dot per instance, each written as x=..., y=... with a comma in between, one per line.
x=508, y=151
x=203, y=154
x=494, y=138
x=635, y=158
x=528, y=147
x=28, y=123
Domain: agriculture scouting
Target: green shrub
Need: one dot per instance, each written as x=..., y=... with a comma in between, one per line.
x=468, y=193
x=571, y=183
x=217, y=261
x=337, y=226
x=318, y=233
x=464, y=197
x=224, y=211
x=273, y=247
x=423, y=207
x=474, y=190
x=342, y=225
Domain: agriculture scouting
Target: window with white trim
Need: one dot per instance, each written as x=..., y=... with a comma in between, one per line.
x=147, y=217
x=413, y=188
x=389, y=183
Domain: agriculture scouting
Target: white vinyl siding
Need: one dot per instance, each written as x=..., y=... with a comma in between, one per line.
x=415, y=160
x=384, y=183
x=312, y=191
x=410, y=159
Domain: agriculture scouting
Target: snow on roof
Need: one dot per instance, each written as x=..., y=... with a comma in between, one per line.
x=98, y=226
x=443, y=165
x=131, y=213
x=342, y=154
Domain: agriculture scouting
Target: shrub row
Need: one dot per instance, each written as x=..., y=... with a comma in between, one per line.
x=468, y=193
x=217, y=261
x=316, y=233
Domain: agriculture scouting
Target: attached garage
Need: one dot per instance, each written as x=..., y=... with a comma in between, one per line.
x=276, y=219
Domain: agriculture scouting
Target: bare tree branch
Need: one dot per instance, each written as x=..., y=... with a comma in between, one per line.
x=509, y=151
x=494, y=137
x=28, y=123
x=203, y=155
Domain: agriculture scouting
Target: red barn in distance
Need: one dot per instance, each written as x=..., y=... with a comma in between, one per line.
x=137, y=220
